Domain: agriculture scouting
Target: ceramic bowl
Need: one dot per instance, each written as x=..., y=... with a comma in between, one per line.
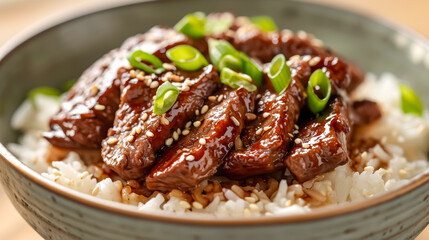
x=56, y=53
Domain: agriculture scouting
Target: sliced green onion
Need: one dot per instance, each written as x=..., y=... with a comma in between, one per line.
x=136, y=57
x=186, y=57
x=410, y=101
x=279, y=73
x=220, y=48
x=192, y=25
x=46, y=91
x=236, y=80
x=166, y=96
x=252, y=68
x=265, y=23
x=319, y=82
x=231, y=62
x=217, y=25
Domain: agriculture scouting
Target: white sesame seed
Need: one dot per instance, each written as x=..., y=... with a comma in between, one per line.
x=154, y=84
x=185, y=88
x=258, y=96
x=175, y=78
x=253, y=207
x=185, y=204
x=369, y=168
x=266, y=114
x=94, y=90
x=144, y=117
x=175, y=136
x=148, y=80
x=197, y=123
x=133, y=132
x=179, y=131
x=267, y=128
x=169, y=141
x=197, y=112
x=99, y=107
x=185, y=132
x=212, y=98
x=149, y=134
x=314, y=61
x=188, y=124
x=403, y=172
x=296, y=127
x=306, y=145
x=140, y=76
x=164, y=121
x=297, y=140
x=251, y=116
x=259, y=131
x=204, y=109
x=202, y=141
x=112, y=141
x=132, y=73
x=250, y=199
x=295, y=132
x=130, y=138
x=236, y=122
x=139, y=129
x=290, y=135
x=238, y=143
x=197, y=205
x=168, y=66
x=220, y=98
x=190, y=158
x=188, y=82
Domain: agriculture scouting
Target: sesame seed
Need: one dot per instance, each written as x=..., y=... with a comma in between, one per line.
x=295, y=132
x=140, y=76
x=130, y=138
x=133, y=132
x=185, y=204
x=185, y=132
x=247, y=213
x=197, y=123
x=258, y=96
x=185, y=88
x=253, y=207
x=175, y=136
x=306, y=145
x=139, y=129
x=132, y=73
x=197, y=205
x=197, y=112
x=149, y=134
x=238, y=143
x=169, y=141
x=164, y=121
x=99, y=107
x=190, y=158
x=202, y=141
x=212, y=98
x=236, y=122
x=154, y=84
x=314, y=61
x=168, y=66
x=267, y=128
x=403, y=172
x=94, y=90
x=148, y=80
x=296, y=127
x=188, y=124
x=220, y=98
x=297, y=140
x=250, y=199
x=369, y=168
x=259, y=131
x=266, y=114
x=112, y=141
x=188, y=82
x=290, y=135
x=204, y=109
x=251, y=116
x=144, y=117
x=179, y=131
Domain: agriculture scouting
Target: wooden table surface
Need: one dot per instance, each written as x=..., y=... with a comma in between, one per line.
x=15, y=15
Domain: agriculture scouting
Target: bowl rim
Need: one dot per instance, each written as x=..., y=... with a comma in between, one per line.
x=130, y=211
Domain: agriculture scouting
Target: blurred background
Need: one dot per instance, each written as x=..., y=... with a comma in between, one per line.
x=16, y=15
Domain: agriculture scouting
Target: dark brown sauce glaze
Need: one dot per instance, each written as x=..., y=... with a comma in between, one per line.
x=138, y=132
x=192, y=159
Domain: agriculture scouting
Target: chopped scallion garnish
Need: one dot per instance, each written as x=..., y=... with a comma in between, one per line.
x=136, y=57
x=236, y=80
x=265, y=23
x=410, y=101
x=217, y=25
x=192, y=25
x=318, y=90
x=186, y=57
x=220, y=48
x=231, y=62
x=279, y=73
x=166, y=96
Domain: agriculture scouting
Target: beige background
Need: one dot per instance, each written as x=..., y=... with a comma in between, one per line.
x=15, y=15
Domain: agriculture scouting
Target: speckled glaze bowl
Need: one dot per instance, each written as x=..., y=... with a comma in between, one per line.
x=53, y=54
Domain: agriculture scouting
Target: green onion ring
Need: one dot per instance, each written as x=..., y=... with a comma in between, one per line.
x=216, y=25
x=166, y=96
x=231, y=62
x=186, y=57
x=220, y=48
x=236, y=80
x=136, y=57
x=265, y=23
x=279, y=73
x=318, y=78
x=410, y=101
x=192, y=25
x=252, y=68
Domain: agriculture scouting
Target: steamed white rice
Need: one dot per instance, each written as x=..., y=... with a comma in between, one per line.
x=402, y=157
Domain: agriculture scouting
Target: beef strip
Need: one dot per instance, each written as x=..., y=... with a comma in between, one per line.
x=138, y=133
x=265, y=140
x=321, y=144
x=190, y=161
x=365, y=112
x=88, y=109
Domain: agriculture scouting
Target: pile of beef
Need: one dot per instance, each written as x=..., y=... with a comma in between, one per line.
x=211, y=129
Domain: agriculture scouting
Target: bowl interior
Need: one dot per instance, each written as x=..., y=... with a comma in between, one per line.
x=63, y=51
